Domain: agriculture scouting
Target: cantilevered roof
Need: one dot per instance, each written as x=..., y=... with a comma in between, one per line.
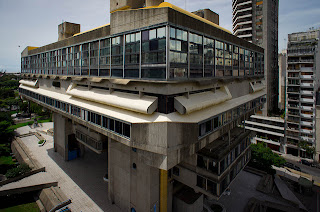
x=202, y=100
x=134, y=117
x=127, y=101
x=256, y=86
x=31, y=83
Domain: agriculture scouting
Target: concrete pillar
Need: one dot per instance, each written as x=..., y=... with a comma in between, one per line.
x=150, y=3
x=62, y=130
x=163, y=190
x=132, y=183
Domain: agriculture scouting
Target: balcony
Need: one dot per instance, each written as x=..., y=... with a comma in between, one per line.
x=305, y=123
x=307, y=108
x=307, y=139
x=306, y=131
x=306, y=76
x=306, y=92
x=301, y=61
x=91, y=143
x=309, y=116
x=307, y=100
x=307, y=85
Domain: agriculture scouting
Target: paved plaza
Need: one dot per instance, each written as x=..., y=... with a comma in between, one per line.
x=81, y=180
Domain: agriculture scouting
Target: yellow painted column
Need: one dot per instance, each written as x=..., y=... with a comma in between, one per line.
x=163, y=190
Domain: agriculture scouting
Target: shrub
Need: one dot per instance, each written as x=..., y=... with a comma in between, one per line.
x=41, y=142
x=17, y=171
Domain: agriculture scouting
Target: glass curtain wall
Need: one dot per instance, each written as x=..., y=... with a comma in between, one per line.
x=143, y=54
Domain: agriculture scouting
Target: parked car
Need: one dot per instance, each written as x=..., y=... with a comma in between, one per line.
x=305, y=162
x=292, y=166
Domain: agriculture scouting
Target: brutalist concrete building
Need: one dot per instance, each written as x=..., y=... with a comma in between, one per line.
x=256, y=21
x=162, y=91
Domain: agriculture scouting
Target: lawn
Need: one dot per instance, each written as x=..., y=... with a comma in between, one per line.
x=13, y=127
x=28, y=207
x=6, y=160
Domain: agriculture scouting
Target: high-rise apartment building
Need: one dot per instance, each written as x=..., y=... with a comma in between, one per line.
x=302, y=92
x=162, y=91
x=256, y=21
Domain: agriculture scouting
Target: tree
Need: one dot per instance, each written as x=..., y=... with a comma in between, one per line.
x=263, y=158
x=309, y=149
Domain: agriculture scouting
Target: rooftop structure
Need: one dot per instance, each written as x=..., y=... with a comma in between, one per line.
x=152, y=88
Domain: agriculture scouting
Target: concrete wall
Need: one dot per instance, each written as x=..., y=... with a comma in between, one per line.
x=66, y=30
x=62, y=129
x=208, y=14
x=131, y=187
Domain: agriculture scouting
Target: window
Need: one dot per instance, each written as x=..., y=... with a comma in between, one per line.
x=105, y=59
x=132, y=55
x=154, y=52
x=117, y=56
x=178, y=53
x=201, y=182
x=196, y=55
x=219, y=59
x=208, y=57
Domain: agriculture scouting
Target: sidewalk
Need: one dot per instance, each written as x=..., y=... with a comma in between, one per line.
x=80, y=200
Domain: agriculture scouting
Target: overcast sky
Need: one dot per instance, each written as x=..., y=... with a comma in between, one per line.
x=35, y=22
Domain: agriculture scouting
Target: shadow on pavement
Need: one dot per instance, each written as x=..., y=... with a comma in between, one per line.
x=87, y=172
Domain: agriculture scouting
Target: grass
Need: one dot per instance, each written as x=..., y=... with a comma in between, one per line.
x=13, y=127
x=6, y=160
x=28, y=207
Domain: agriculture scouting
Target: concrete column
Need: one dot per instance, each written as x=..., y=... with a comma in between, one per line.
x=62, y=130
x=132, y=183
x=163, y=190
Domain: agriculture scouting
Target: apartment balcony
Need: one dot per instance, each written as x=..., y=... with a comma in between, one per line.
x=293, y=106
x=239, y=24
x=307, y=139
x=293, y=71
x=306, y=77
x=293, y=120
x=306, y=92
x=308, y=116
x=236, y=4
x=305, y=123
x=242, y=12
x=307, y=100
x=293, y=84
x=306, y=131
x=307, y=85
x=293, y=91
x=301, y=61
x=269, y=141
x=243, y=30
x=293, y=77
x=307, y=108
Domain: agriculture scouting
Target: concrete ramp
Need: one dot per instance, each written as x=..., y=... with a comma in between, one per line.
x=34, y=182
x=286, y=193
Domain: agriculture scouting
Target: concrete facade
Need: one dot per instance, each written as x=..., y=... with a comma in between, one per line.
x=106, y=106
x=282, y=79
x=257, y=22
x=302, y=92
